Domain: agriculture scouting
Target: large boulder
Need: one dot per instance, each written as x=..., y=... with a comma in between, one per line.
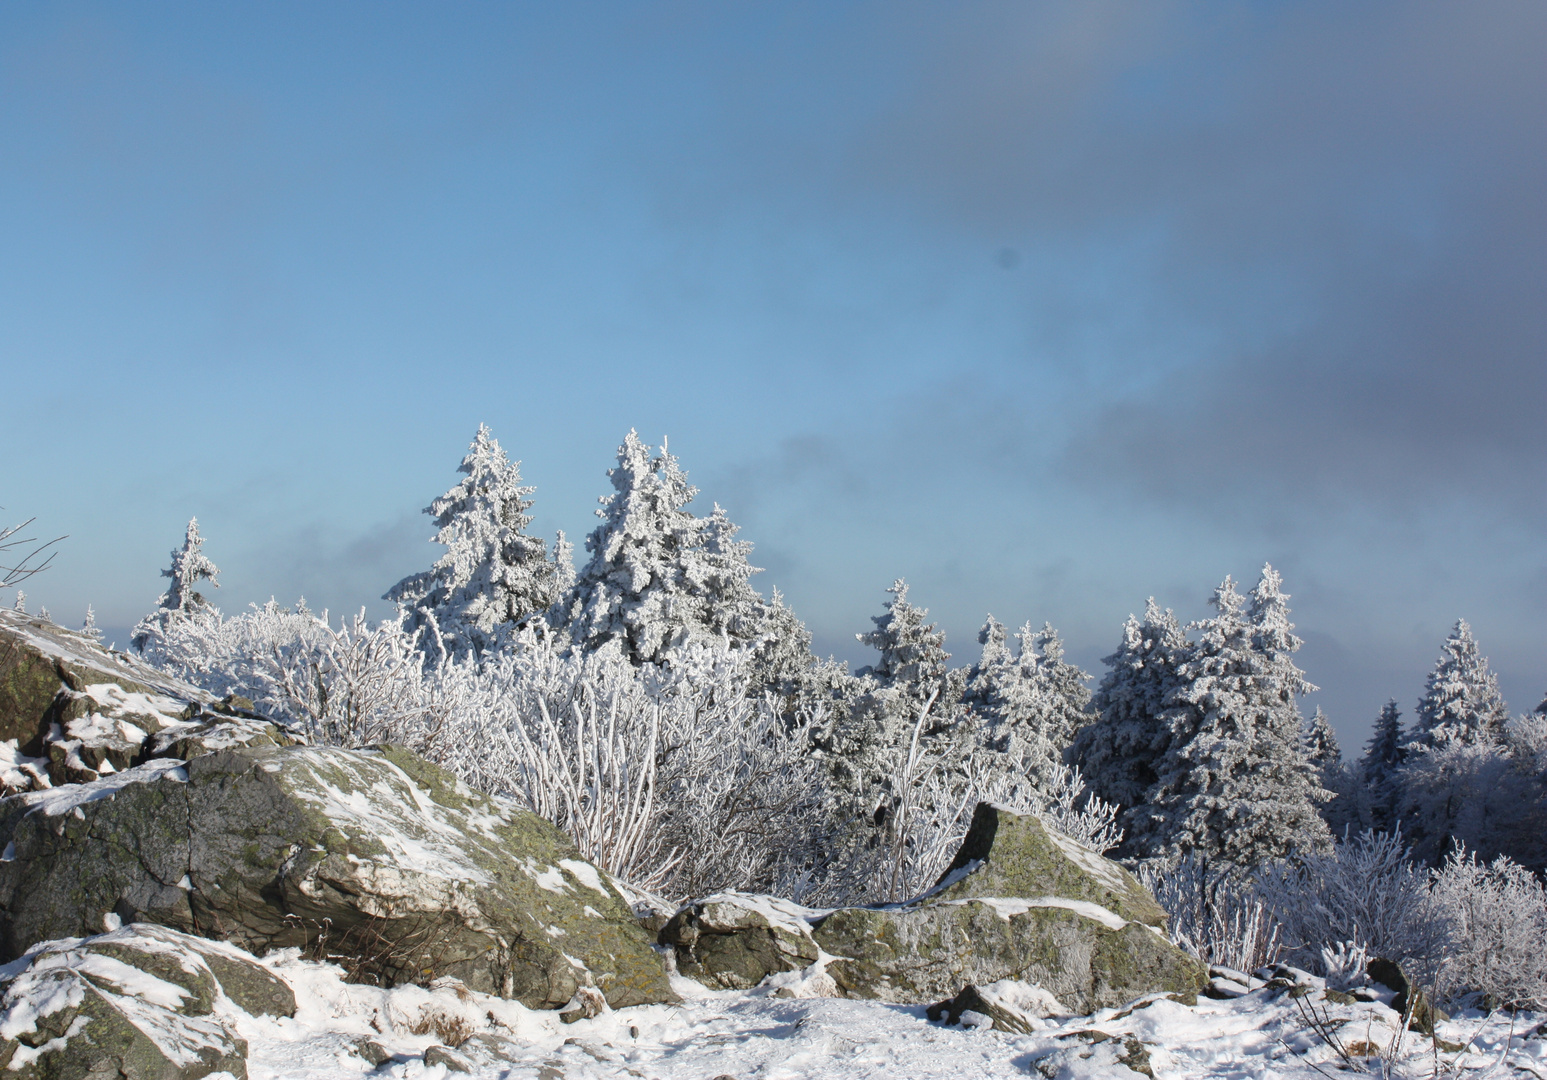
x=373, y=858
x=72, y=711
x=732, y=940
x=140, y=1003
x=1019, y=902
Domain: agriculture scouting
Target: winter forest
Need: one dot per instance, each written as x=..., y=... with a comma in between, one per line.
x=654, y=704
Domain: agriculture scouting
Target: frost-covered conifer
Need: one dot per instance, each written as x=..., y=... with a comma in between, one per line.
x=658, y=577
x=190, y=568
x=1381, y=766
x=1462, y=700
x=89, y=627
x=1119, y=749
x=913, y=674
x=1326, y=759
x=1235, y=783
x=492, y=575
x=1031, y=704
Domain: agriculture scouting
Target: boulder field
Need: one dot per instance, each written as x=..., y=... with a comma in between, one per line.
x=156, y=840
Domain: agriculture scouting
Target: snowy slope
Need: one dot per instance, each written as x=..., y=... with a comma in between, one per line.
x=753, y=1033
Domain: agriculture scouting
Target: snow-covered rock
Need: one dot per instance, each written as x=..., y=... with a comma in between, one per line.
x=734, y=940
x=1018, y=902
x=139, y=1003
x=72, y=711
x=375, y=857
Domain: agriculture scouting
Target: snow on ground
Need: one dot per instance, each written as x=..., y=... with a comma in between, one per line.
x=754, y=1034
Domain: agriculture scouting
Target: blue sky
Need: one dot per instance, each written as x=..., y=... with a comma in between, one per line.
x=1047, y=308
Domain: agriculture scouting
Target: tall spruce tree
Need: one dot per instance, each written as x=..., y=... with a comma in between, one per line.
x=1119, y=750
x=632, y=593
x=1235, y=784
x=660, y=578
x=1031, y=703
x=912, y=674
x=1325, y=756
x=1461, y=701
x=189, y=570
x=1381, y=766
x=493, y=575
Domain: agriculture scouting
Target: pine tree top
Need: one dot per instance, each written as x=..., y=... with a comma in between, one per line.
x=1461, y=699
x=189, y=567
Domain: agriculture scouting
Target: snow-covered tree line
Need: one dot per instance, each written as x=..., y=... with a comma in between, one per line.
x=1193, y=741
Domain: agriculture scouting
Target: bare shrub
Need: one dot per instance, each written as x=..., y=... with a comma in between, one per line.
x=1366, y=897
x=1216, y=912
x=1496, y=915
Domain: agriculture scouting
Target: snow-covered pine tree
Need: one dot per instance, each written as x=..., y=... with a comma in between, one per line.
x=912, y=674
x=1341, y=813
x=190, y=568
x=658, y=577
x=1030, y=704
x=1457, y=758
x=1235, y=784
x=89, y=628
x=1541, y=710
x=1380, y=768
x=1461, y=700
x=492, y=576
x=1119, y=749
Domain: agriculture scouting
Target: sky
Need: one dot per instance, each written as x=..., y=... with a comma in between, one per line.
x=1046, y=308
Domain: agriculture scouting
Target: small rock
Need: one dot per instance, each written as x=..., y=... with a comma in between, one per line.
x=1222, y=972
x=445, y=1055
x=1224, y=989
x=586, y=1003
x=1338, y=997
x=373, y=1052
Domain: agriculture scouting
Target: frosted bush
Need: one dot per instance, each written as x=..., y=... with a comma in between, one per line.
x=680, y=778
x=1497, y=918
x=352, y=686
x=1216, y=912
x=1365, y=895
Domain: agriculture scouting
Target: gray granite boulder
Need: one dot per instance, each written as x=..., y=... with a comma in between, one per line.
x=1019, y=902
x=72, y=711
x=140, y=1003
x=375, y=859
x=732, y=940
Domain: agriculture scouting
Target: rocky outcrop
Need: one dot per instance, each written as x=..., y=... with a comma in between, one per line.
x=1019, y=902
x=375, y=859
x=732, y=940
x=140, y=1003
x=72, y=711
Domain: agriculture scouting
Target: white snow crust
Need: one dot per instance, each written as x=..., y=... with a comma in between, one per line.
x=784, y=1031
x=1005, y=907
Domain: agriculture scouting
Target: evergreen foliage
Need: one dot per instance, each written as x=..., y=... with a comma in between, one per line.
x=1235, y=783
x=1380, y=768
x=493, y=575
x=1461, y=701
x=1343, y=811
x=1120, y=748
x=190, y=568
x=911, y=687
x=660, y=578
x=1030, y=703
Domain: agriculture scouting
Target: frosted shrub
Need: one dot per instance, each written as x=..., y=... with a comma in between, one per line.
x=352, y=686
x=1497, y=917
x=1366, y=895
x=1063, y=806
x=1216, y=913
x=676, y=779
